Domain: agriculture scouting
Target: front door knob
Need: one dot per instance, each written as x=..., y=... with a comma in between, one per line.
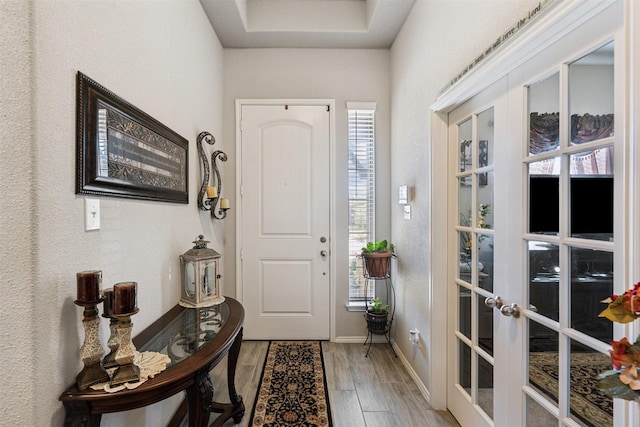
x=323, y=253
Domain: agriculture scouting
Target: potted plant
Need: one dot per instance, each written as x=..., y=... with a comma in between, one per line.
x=377, y=257
x=376, y=316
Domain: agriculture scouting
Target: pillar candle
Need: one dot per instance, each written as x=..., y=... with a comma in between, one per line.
x=212, y=192
x=89, y=286
x=224, y=203
x=124, y=298
x=108, y=303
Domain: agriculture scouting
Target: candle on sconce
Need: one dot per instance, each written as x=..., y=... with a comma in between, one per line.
x=124, y=298
x=108, y=303
x=89, y=286
x=212, y=192
x=224, y=203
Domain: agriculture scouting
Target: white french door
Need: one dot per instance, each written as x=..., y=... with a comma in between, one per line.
x=285, y=273
x=538, y=238
x=480, y=192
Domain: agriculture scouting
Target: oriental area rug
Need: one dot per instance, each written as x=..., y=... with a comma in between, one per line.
x=586, y=402
x=293, y=389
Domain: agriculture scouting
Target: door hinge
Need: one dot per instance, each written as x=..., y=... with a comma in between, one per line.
x=240, y=125
x=328, y=108
x=241, y=254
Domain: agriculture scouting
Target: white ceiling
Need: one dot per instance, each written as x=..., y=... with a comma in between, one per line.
x=366, y=24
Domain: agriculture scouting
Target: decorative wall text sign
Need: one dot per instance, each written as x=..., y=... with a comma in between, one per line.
x=507, y=35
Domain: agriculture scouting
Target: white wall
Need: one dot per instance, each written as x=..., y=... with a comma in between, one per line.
x=340, y=74
x=436, y=42
x=164, y=58
x=16, y=217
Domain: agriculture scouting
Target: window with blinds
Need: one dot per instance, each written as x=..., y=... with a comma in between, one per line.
x=361, y=193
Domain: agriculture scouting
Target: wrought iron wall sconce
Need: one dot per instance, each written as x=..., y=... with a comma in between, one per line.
x=210, y=195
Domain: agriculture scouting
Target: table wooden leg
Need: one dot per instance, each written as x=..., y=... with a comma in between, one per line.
x=236, y=408
x=200, y=398
x=232, y=362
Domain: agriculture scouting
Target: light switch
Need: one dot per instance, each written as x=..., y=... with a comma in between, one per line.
x=407, y=211
x=91, y=214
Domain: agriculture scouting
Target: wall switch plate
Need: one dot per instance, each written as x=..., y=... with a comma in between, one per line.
x=91, y=214
x=407, y=211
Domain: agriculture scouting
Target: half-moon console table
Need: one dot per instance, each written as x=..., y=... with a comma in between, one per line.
x=195, y=339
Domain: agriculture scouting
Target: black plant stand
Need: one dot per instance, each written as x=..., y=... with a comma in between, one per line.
x=374, y=326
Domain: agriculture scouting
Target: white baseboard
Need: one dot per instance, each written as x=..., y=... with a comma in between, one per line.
x=412, y=373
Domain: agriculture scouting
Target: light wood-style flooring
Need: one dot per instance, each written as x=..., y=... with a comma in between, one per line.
x=373, y=391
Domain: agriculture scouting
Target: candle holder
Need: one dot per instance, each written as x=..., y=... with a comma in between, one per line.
x=125, y=371
x=91, y=350
x=210, y=195
x=113, y=343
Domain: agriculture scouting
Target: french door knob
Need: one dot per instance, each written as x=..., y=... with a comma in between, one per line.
x=511, y=310
x=494, y=302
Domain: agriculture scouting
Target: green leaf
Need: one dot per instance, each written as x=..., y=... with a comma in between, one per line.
x=609, y=383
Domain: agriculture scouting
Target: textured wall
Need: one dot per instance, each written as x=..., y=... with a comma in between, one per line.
x=16, y=216
x=340, y=74
x=437, y=41
x=164, y=58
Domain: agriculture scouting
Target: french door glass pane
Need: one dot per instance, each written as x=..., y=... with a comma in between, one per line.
x=591, y=201
x=588, y=406
x=485, y=262
x=485, y=326
x=543, y=360
x=485, y=200
x=464, y=201
x=591, y=95
x=464, y=312
x=544, y=278
x=544, y=116
x=485, y=386
x=538, y=416
x=485, y=138
x=544, y=196
x=464, y=266
x=465, y=157
x=591, y=282
x=464, y=371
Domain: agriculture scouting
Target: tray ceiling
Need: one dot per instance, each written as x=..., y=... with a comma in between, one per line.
x=366, y=24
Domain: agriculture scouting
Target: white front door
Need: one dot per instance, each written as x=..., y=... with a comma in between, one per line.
x=538, y=236
x=285, y=221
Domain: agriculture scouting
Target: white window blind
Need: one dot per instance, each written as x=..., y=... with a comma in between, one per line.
x=361, y=193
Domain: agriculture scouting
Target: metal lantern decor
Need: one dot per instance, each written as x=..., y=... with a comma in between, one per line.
x=199, y=268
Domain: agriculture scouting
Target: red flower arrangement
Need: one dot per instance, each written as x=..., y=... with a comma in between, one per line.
x=624, y=380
